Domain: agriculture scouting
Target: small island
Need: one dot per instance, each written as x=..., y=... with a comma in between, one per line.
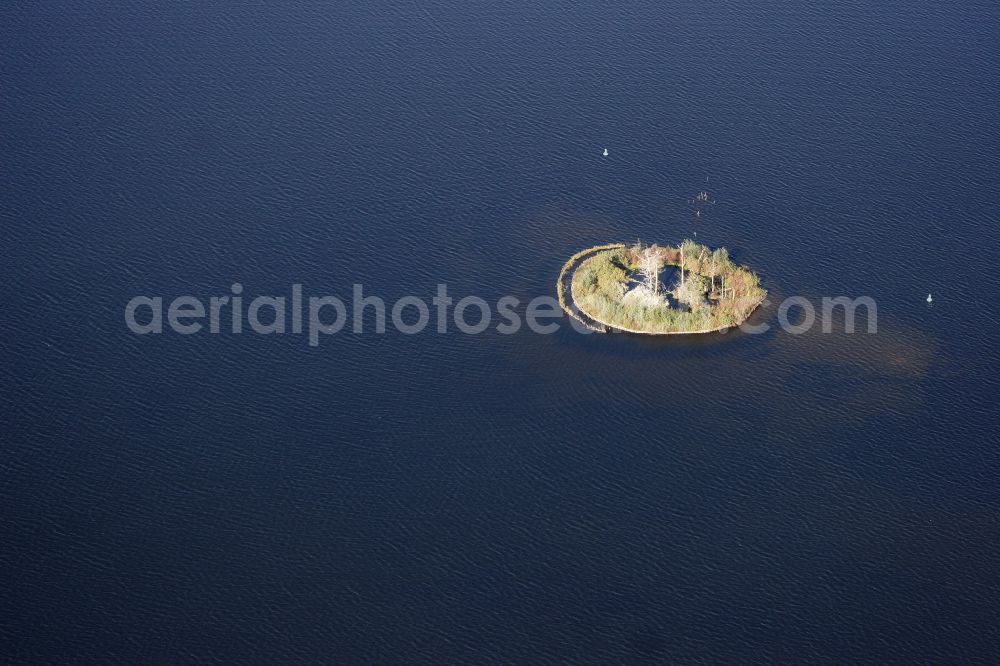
x=658, y=290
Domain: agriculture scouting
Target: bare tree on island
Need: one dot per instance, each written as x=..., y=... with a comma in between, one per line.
x=681, y=265
x=651, y=269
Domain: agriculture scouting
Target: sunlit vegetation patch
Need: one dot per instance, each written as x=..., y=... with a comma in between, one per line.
x=620, y=287
x=568, y=266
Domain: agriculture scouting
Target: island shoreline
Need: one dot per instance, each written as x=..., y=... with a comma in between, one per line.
x=569, y=302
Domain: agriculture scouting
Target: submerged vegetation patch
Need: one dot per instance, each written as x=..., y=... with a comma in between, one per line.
x=619, y=286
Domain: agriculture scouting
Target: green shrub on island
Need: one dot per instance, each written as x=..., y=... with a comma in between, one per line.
x=619, y=287
x=570, y=263
x=605, y=274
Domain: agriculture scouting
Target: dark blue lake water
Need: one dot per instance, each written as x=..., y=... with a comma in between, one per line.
x=440, y=498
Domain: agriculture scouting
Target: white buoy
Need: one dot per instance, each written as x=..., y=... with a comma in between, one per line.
x=929, y=299
x=605, y=152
